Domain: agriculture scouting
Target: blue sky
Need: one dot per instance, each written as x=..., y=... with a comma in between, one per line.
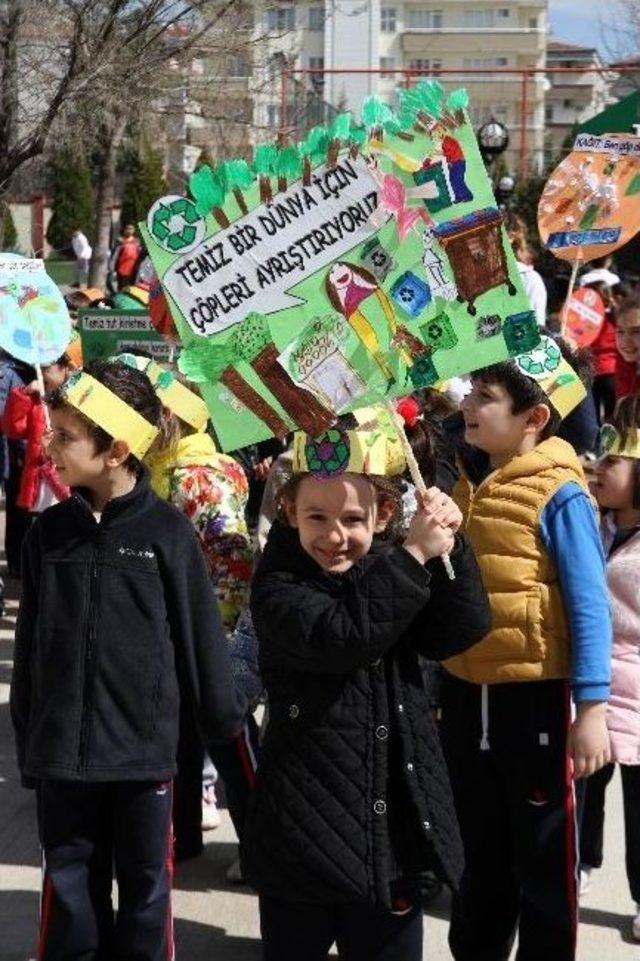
x=580, y=21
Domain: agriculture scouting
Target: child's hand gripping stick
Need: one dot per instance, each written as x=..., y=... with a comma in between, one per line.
x=424, y=496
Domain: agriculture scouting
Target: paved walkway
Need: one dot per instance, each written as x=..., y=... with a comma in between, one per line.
x=218, y=922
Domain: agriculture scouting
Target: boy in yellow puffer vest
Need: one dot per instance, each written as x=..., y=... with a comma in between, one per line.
x=510, y=742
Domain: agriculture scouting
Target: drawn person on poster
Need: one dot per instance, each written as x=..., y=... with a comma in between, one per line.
x=347, y=287
x=433, y=264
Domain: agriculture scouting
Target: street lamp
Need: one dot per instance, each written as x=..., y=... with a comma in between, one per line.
x=504, y=189
x=493, y=138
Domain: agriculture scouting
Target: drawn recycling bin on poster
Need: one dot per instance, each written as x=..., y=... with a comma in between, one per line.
x=363, y=262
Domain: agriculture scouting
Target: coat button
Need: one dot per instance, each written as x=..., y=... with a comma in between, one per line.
x=409, y=766
x=294, y=712
x=380, y=807
x=377, y=663
x=382, y=732
x=426, y=825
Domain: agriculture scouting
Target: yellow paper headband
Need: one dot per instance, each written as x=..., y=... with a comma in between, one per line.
x=372, y=448
x=610, y=442
x=546, y=365
x=108, y=411
x=181, y=401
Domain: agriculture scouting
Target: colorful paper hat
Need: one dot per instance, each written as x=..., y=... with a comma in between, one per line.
x=612, y=443
x=373, y=447
x=181, y=401
x=108, y=411
x=546, y=365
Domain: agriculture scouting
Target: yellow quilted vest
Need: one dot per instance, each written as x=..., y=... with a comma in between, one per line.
x=528, y=640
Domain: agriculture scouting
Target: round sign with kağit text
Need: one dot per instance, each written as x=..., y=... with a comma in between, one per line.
x=590, y=205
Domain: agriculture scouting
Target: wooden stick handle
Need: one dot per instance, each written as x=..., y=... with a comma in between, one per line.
x=414, y=470
x=40, y=379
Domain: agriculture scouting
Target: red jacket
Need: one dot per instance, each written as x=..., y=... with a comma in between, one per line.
x=603, y=349
x=627, y=378
x=24, y=419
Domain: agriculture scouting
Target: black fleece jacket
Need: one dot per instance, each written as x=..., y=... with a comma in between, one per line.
x=118, y=621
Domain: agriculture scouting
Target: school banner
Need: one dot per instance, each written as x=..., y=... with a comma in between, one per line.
x=105, y=333
x=361, y=263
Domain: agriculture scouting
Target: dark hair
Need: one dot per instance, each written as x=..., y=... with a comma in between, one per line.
x=131, y=386
x=626, y=418
x=629, y=303
x=388, y=490
x=525, y=392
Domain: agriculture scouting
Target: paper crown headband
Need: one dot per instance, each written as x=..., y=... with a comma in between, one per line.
x=108, y=411
x=373, y=447
x=546, y=365
x=612, y=443
x=181, y=401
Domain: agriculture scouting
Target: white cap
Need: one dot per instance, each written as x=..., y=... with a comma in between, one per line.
x=601, y=275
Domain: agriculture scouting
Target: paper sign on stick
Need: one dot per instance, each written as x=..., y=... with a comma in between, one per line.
x=35, y=325
x=590, y=205
x=361, y=264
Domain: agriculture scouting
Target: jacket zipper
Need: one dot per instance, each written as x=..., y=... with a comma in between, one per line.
x=484, y=712
x=88, y=665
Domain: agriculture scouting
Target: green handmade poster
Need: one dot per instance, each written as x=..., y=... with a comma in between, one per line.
x=366, y=261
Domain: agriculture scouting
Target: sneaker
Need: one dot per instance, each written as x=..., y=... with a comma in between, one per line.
x=586, y=880
x=234, y=873
x=210, y=813
x=635, y=924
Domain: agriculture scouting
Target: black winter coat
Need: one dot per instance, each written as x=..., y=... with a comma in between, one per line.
x=352, y=790
x=117, y=621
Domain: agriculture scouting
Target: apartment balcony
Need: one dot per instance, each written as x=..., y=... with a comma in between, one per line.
x=452, y=43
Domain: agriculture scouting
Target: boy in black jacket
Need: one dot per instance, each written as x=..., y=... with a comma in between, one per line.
x=117, y=622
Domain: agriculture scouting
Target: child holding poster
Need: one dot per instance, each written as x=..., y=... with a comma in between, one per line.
x=509, y=739
x=118, y=623
x=352, y=799
x=617, y=489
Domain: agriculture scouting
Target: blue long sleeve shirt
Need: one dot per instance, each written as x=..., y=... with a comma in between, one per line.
x=569, y=532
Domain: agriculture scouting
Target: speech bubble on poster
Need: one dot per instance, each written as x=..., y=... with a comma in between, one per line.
x=583, y=317
x=590, y=205
x=365, y=262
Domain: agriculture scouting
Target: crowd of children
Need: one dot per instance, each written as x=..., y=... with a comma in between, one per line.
x=416, y=725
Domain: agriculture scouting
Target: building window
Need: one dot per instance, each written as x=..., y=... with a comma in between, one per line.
x=316, y=18
x=479, y=18
x=422, y=65
x=548, y=112
x=567, y=104
x=280, y=19
x=533, y=23
x=388, y=19
x=387, y=63
x=425, y=19
x=237, y=65
x=475, y=63
x=503, y=13
x=273, y=115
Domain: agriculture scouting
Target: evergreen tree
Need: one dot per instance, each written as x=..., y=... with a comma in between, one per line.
x=8, y=235
x=72, y=198
x=144, y=185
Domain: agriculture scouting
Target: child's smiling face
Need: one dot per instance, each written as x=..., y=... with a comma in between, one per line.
x=628, y=335
x=337, y=519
